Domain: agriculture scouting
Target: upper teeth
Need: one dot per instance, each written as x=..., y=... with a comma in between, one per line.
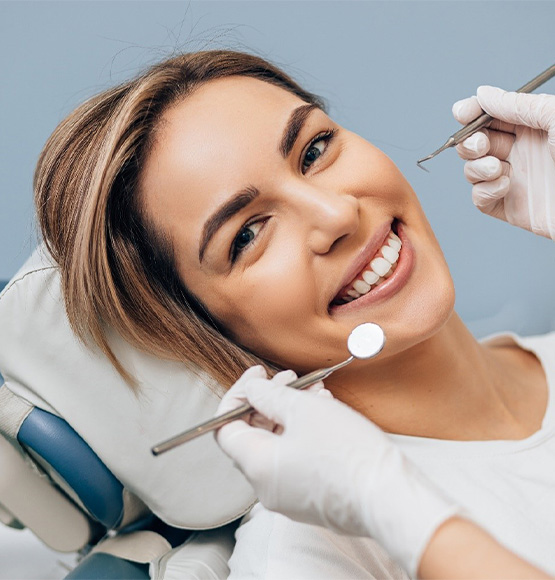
x=379, y=268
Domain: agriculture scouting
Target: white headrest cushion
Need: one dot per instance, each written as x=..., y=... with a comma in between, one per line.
x=194, y=486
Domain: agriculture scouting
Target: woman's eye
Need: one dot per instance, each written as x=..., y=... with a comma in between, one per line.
x=244, y=238
x=316, y=148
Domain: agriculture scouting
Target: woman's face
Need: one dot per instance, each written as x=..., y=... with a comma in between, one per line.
x=275, y=211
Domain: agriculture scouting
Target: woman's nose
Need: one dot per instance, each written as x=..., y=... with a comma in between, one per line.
x=329, y=216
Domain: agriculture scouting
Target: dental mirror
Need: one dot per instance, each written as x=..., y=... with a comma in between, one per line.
x=365, y=341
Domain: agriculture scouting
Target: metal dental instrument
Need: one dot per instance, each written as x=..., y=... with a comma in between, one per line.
x=484, y=119
x=365, y=341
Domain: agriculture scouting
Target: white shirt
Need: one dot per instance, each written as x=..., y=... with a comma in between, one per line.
x=508, y=487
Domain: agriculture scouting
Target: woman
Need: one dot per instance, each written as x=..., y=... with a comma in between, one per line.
x=212, y=201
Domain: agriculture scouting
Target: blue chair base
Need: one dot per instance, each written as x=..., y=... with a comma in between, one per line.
x=107, y=567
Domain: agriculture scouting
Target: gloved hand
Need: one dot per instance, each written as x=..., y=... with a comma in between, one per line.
x=320, y=462
x=512, y=163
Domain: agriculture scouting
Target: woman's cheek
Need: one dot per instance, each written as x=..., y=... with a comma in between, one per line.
x=261, y=303
x=365, y=171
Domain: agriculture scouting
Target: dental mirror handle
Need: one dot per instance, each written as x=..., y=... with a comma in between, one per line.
x=217, y=422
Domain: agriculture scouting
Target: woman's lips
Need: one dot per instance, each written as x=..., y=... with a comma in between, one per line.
x=391, y=285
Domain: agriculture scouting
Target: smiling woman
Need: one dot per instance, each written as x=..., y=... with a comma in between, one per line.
x=211, y=212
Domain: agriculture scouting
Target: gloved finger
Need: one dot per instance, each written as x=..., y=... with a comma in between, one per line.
x=236, y=394
x=319, y=389
x=284, y=377
x=244, y=443
x=534, y=111
x=316, y=388
x=272, y=400
x=500, y=143
x=498, y=125
x=257, y=371
x=475, y=146
x=466, y=110
x=258, y=420
x=485, y=169
x=486, y=141
x=232, y=430
x=488, y=196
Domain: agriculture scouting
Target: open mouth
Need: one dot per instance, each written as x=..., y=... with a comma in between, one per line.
x=380, y=267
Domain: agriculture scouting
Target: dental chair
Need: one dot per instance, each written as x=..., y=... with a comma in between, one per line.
x=75, y=461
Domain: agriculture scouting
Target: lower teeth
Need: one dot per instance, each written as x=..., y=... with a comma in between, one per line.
x=347, y=299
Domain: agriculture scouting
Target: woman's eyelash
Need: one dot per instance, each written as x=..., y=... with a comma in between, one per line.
x=325, y=136
x=237, y=246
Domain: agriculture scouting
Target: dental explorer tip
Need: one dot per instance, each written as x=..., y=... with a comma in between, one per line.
x=419, y=163
x=449, y=143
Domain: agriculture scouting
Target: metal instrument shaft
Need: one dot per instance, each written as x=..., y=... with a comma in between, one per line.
x=217, y=422
x=484, y=119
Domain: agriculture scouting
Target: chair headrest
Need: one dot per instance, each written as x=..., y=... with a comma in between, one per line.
x=194, y=486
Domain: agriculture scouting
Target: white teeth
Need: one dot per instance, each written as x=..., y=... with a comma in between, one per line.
x=361, y=286
x=380, y=266
x=370, y=277
x=395, y=244
x=394, y=236
x=390, y=254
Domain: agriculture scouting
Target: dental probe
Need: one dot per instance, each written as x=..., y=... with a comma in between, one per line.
x=484, y=119
x=365, y=341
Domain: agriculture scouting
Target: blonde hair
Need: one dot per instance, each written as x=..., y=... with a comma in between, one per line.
x=116, y=269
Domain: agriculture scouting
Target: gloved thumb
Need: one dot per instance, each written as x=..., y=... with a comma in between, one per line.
x=534, y=111
x=272, y=400
x=249, y=447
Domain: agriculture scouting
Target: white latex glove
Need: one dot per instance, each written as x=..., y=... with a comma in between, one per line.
x=512, y=164
x=320, y=462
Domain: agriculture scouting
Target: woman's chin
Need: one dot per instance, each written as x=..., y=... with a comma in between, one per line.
x=425, y=317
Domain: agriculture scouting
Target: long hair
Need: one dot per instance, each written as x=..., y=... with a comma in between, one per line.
x=116, y=269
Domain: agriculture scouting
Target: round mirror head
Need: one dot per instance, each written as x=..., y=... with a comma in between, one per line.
x=366, y=340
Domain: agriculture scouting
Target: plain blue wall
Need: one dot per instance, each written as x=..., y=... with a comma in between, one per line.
x=389, y=70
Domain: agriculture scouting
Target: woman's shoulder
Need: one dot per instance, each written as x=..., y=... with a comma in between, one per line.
x=271, y=546
x=541, y=346
x=544, y=342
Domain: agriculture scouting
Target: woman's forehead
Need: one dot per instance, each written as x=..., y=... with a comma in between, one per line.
x=231, y=102
x=222, y=123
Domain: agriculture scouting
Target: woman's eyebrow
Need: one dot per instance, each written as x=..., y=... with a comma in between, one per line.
x=293, y=127
x=225, y=212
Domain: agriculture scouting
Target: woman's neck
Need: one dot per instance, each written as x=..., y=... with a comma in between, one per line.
x=449, y=387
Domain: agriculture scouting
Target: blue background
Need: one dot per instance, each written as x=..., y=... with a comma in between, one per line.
x=390, y=71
